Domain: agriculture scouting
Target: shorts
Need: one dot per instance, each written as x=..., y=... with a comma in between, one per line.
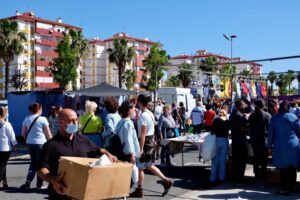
x=143, y=165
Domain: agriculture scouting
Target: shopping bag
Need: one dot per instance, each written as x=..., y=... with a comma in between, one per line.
x=209, y=147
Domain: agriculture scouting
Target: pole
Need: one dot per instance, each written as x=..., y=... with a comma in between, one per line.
x=155, y=88
x=231, y=67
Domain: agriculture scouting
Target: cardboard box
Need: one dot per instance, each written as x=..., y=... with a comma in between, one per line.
x=84, y=182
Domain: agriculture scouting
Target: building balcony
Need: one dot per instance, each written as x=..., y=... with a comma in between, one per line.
x=46, y=85
x=58, y=34
x=43, y=63
x=52, y=54
x=42, y=31
x=46, y=42
x=43, y=74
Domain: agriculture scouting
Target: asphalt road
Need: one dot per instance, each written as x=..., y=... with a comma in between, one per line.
x=190, y=177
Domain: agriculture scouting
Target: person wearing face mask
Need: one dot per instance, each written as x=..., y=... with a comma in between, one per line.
x=67, y=142
x=36, y=132
x=239, y=129
x=166, y=127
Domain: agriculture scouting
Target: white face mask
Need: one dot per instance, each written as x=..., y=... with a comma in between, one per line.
x=72, y=128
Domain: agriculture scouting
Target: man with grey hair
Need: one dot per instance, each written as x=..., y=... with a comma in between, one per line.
x=197, y=116
x=66, y=143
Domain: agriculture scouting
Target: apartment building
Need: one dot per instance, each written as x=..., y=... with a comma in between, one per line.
x=42, y=38
x=97, y=68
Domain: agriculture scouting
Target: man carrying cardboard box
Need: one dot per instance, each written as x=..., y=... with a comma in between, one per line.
x=66, y=143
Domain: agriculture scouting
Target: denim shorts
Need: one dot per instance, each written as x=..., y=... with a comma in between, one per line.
x=142, y=165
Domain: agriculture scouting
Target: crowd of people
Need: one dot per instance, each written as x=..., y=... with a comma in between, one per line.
x=139, y=126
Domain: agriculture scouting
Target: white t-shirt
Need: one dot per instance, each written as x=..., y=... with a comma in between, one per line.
x=7, y=137
x=146, y=119
x=36, y=134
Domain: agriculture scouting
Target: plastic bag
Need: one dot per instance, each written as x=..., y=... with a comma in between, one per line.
x=209, y=147
x=135, y=174
x=102, y=161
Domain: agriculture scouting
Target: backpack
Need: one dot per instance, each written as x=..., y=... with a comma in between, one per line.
x=116, y=147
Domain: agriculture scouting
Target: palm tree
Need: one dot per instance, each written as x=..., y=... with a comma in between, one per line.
x=290, y=77
x=272, y=78
x=245, y=73
x=130, y=78
x=173, y=81
x=185, y=74
x=209, y=64
x=298, y=79
x=10, y=45
x=121, y=55
x=282, y=83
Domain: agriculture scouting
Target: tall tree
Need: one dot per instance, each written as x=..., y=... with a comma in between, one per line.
x=272, y=77
x=10, y=45
x=173, y=81
x=282, y=83
x=226, y=70
x=130, y=78
x=185, y=74
x=298, y=79
x=245, y=73
x=154, y=63
x=209, y=64
x=290, y=77
x=121, y=55
x=70, y=50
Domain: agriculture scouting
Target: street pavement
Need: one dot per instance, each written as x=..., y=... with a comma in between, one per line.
x=189, y=182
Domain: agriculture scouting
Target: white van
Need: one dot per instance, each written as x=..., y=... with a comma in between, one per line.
x=177, y=95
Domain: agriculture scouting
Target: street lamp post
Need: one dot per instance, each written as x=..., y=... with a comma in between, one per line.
x=230, y=38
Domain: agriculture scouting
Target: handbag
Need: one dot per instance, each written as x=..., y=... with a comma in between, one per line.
x=209, y=147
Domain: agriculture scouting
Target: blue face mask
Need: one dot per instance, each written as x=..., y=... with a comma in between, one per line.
x=72, y=128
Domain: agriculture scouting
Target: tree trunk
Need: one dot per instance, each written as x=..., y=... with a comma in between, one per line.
x=120, y=76
x=6, y=82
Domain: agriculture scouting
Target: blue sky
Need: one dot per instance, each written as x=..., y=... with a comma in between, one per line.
x=265, y=28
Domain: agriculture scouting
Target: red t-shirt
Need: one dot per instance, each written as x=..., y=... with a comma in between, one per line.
x=209, y=117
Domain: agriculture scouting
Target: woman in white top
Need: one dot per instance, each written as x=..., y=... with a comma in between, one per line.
x=36, y=132
x=7, y=143
x=146, y=159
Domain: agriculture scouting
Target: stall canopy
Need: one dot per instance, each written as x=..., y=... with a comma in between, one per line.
x=101, y=90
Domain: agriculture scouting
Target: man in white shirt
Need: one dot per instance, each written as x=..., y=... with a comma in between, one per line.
x=158, y=110
x=197, y=116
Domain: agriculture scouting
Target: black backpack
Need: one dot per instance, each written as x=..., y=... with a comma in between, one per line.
x=116, y=147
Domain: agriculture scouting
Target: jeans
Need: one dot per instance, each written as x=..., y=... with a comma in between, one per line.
x=4, y=156
x=218, y=168
x=165, y=155
x=34, y=152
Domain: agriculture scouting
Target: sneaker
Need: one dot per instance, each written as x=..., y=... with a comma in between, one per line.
x=25, y=186
x=168, y=183
x=42, y=187
x=138, y=193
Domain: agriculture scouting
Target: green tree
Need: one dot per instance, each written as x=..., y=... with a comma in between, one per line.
x=226, y=70
x=282, y=83
x=69, y=50
x=154, y=63
x=209, y=64
x=272, y=77
x=290, y=77
x=173, y=81
x=121, y=55
x=185, y=74
x=130, y=78
x=10, y=45
x=298, y=79
x=245, y=73
x=18, y=80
